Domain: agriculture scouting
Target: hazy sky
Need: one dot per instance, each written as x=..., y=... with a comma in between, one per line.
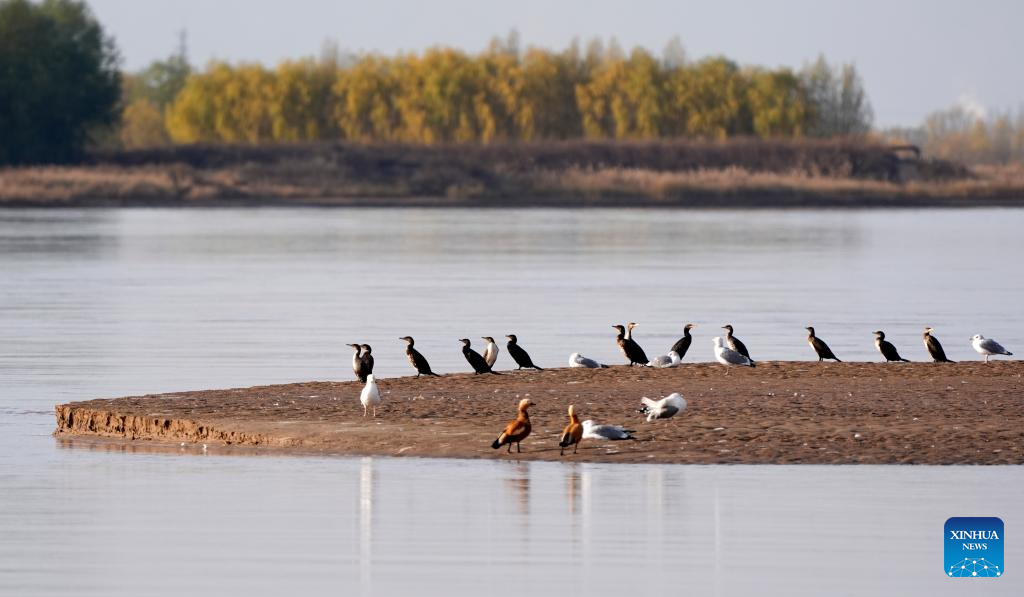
x=915, y=56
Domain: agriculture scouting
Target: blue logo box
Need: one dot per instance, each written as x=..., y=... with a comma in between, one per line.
x=974, y=547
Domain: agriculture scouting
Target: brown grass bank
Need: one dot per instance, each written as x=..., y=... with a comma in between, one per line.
x=780, y=412
x=673, y=173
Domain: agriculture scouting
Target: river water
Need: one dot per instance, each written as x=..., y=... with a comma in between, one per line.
x=112, y=302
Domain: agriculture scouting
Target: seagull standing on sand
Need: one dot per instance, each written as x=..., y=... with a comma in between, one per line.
x=370, y=396
x=935, y=347
x=666, y=408
x=592, y=430
x=988, y=346
x=490, y=351
x=683, y=344
x=887, y=348
x=819, y=346
x=728, y=356
x=666, y=361
x=572, y=434
x=576, y=360
x=517, y=430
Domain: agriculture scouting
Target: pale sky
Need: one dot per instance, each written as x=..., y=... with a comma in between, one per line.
x=915, y=56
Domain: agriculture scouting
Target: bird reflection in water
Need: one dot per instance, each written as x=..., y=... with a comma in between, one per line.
x=366, y=483
x=519, y=485
x=573, y=482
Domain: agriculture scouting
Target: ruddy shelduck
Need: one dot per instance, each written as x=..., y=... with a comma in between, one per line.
x=517, y=430
x=572, y=434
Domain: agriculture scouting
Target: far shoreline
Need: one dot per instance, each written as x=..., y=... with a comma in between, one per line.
x=709, y=203
x=741, y=173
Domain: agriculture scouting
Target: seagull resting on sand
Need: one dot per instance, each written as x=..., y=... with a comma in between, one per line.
x=728, y=356
x=578, y=360
x=987, y=346
x=665, y=361
x=592, y=430
x=665, y=408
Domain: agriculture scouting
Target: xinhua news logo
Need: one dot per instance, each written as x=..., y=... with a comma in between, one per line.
x=974, y=547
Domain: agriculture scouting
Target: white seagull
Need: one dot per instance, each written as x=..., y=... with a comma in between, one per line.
x=666, y=361
x=592, y=430
x=578, y=360
x=728, y=356
x=370, y=396
x=988, y=346
x=665, y=408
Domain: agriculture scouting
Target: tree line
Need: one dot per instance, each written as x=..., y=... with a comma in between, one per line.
x=62, y=89
x=968, y=136
x=503, y=93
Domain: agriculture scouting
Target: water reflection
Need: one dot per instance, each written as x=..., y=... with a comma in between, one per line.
x=366, y=486
x=518, y=484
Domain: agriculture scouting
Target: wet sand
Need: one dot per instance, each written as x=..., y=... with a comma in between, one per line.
x=779, y=412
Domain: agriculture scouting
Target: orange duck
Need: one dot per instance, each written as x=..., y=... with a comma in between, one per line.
x=573, y=432
x=517, y=430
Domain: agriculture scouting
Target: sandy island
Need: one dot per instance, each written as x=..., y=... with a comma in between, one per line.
x=780, y=412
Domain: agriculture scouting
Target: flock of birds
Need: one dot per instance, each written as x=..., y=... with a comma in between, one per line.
x=728, y=350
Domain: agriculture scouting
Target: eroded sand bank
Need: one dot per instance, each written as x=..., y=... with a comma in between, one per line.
x=780, y=412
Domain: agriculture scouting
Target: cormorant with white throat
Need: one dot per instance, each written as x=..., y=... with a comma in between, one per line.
x=734, y=343
x=819, y=346
x=935, y=347
x=358, y=365
x=490, y=351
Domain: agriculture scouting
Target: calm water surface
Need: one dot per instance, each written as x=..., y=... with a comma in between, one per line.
x=113, y=302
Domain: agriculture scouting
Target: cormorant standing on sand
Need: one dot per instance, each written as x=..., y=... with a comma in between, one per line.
x=935, y=347
x=366, y=359
x=490, y=351
x=886, y=348
x=734, y=343
x=630, y=349
x=518, y=354
x=819, y=346
x=683, y=344
x=475, y=360
x=417, y=360
x=357, y=363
